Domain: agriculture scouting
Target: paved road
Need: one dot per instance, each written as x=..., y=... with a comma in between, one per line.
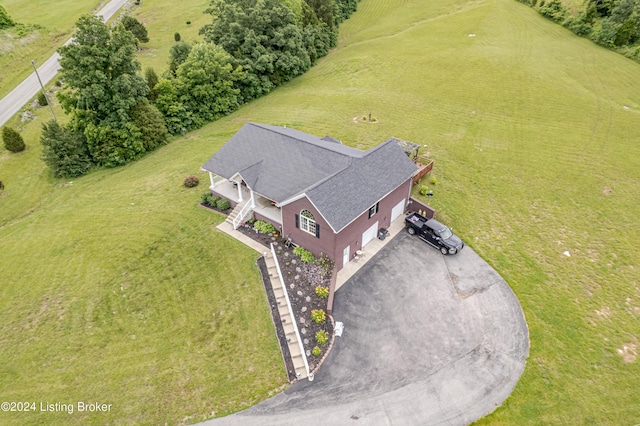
x=428, y=339
x=11, y=104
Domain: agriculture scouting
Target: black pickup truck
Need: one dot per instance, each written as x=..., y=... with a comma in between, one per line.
x=434, y=233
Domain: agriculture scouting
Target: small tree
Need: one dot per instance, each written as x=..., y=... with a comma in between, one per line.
x=138, y=30
x=42, y=99
x=64, y=150
x=12, y=139
x=152, y=79
x=179, y=53
x=151, y=124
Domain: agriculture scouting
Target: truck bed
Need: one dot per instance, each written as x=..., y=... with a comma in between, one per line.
x=416, y=220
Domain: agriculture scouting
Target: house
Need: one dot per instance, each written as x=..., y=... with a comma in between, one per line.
x=327, y=197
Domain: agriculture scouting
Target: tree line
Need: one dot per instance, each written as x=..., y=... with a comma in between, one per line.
x=614, y=24
x=117, y=115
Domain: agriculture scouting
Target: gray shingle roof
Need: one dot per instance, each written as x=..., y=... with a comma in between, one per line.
x=282, y=163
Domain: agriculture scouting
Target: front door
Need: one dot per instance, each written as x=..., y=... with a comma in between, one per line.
x=345, y=255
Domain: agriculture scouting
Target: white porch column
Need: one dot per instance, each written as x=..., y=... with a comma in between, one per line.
x=240, y=199
x=253, y=199
x=213, y=182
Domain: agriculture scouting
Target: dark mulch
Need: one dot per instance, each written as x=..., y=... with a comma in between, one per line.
x=271, y=298
x=301, y=280
x=207, y=206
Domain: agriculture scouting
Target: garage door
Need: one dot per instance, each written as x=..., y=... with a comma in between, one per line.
x=397, y=210
x=369, y=234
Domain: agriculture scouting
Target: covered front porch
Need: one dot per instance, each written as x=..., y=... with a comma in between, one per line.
x=239, y=193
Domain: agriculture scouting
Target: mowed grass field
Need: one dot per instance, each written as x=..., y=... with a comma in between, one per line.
x=117, y=287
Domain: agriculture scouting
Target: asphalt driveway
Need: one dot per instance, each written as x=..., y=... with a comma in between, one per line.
x=428, y=339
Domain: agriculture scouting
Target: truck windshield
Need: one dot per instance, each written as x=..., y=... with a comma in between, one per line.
x=445, y=234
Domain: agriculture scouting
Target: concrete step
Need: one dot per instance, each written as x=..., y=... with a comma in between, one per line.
x=283, y=309
x=285, y=318
x=279, y=293
x=288, y=330
x=294, y=349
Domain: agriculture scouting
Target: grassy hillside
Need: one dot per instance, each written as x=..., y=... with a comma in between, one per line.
x=117, y=288
x=55, y=21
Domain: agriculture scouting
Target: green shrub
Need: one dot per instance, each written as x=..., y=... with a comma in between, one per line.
x=5, y=19
x=423, y=190
x=322, y=337
x=264, y=227
x=316, y=351
x=176, y=37
x=433, y=180
x=305, y=255
x=12, y=139
x=322, y=292
x=42, y=99
x=318, y=316
x=191, y=181
x=213, y=200
x=223, y=204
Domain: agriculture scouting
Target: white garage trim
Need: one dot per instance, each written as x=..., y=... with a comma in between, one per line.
x=369, y=234
x=397, y=210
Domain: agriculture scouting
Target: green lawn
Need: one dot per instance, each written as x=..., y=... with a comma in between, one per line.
x=534, y=132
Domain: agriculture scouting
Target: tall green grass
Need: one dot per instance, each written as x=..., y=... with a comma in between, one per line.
x=534, y=133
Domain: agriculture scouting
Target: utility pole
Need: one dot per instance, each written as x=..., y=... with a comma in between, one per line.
x=43, y=91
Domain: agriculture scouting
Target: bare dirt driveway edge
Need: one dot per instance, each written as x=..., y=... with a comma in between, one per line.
x=428, y=339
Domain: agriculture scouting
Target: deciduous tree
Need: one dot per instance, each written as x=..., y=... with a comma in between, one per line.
x=263, y=37
x=102, y=86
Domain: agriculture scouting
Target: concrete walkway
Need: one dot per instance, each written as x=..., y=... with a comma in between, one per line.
x=428, y=339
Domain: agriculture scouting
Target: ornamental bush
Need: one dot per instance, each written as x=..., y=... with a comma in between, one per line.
x=322, y=337
x=12, y=139
x=322, y=292
x=191, y=181
x=318, y=316
x=316, y=351
x=305, y=255
x=264, y=227
x=223, y=204
x=209, y=199
x=424, y=190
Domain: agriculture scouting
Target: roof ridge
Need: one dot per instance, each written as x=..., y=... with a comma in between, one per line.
x=325, y=145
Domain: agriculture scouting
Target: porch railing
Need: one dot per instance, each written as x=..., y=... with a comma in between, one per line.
x=243, y=212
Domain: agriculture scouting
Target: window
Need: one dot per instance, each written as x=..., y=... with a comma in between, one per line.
x=307, y=222
x=374, y=209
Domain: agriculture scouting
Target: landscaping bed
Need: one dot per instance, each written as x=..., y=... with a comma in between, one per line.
x=301, y=279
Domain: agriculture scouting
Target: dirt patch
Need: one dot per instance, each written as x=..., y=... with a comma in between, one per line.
x=606, y=190
x=628, y=352
x=604, y=312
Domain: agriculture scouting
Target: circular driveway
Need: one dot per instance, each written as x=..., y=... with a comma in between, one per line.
x=428, y=339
